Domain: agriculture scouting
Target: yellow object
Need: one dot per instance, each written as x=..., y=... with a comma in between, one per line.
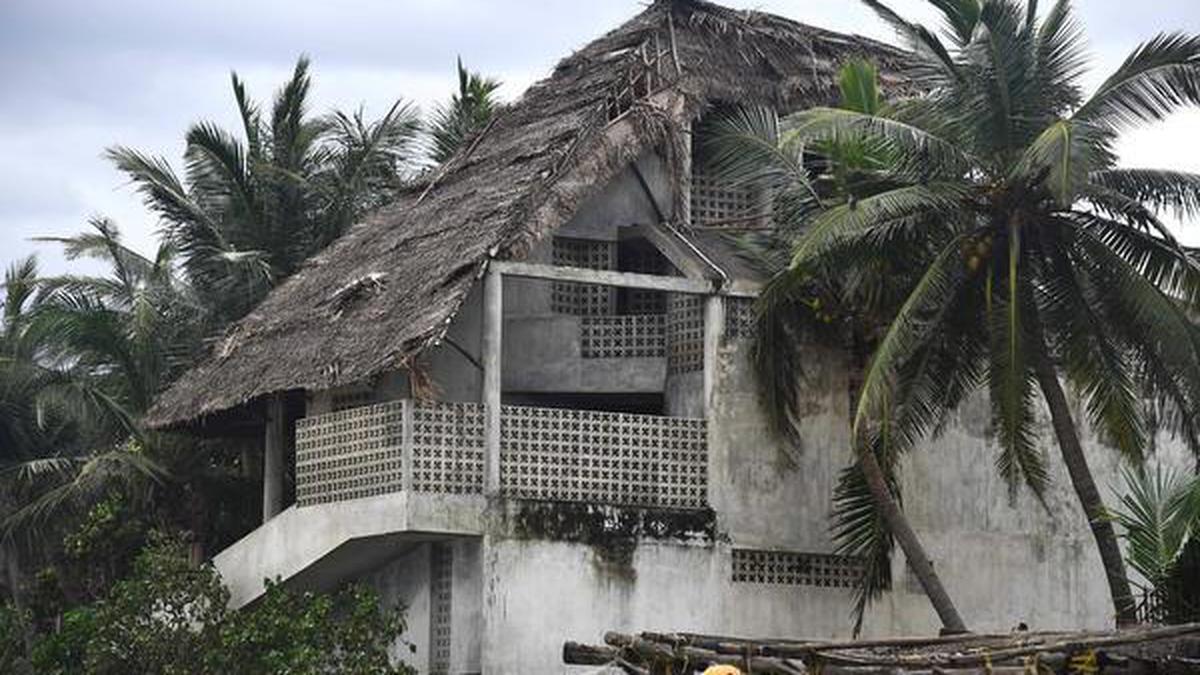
x=722, y=670
x=1084, y=663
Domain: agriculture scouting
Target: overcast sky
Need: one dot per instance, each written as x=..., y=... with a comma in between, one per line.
x=77, y=76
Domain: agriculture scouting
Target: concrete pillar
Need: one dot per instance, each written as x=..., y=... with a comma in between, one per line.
x=684, y=217
x=275, y=438
x=406, y=444
x=714, y=326
x=493, y=324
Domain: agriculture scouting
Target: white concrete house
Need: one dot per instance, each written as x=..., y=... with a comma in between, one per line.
x=519, y=402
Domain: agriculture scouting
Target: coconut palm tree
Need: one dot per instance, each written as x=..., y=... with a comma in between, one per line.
x=1043, y=259
x=113, y=342
x=93, y=351
x=466, y=114
x=131, y=331
x=825, y=306
x=250, y=210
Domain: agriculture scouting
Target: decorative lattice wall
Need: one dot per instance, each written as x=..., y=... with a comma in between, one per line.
x=613, y=458
x=583, y=299
x=448, y=448
x=739, y=319
x=553, y=454
x=349, y=454
x=685, y=333
x=621, y=337
x=791, y=568
x=715, y=204
x=441, y=588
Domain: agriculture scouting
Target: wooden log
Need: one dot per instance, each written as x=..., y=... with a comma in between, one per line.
x=807, y=648
x=650, y=651
x=1065, y=644
x=693, y=659
x=578, y=654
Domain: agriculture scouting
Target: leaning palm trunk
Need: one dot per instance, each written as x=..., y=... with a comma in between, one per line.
x=1089, y=495
x=914, y=552
x=897, y=522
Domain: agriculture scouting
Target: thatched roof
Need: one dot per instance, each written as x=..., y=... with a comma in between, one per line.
x=387, y=290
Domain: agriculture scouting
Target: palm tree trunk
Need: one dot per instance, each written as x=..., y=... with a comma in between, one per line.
x=1085, y=489
x=898, y=525
x=918, y=561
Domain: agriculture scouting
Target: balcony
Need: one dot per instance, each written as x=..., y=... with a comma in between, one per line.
x=545, y=454
x=371, y=481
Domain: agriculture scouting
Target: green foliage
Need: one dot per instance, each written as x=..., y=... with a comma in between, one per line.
x=309, y=634
x=1160, y=513
x=249, y=211
x=469, y=110
x=169, y=617
x=62, y=651
x=14, y=624
x=102, y=549
x=160, y=620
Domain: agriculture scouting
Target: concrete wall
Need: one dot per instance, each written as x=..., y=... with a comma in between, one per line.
x=542, y=354
x=539, y=594
x=405, y=582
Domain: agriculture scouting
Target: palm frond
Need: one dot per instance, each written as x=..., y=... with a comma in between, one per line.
x=938, y=203
x=859, y=529
x=920, y=39
x=1161, y=76
x=466, y=113
x=1159, y=514
x=917, y=152
x=912, y=322
x=1176, y=192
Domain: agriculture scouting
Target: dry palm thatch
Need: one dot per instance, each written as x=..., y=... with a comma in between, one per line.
x=410, y=266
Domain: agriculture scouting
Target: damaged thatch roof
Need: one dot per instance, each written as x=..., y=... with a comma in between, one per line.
x=387, y=290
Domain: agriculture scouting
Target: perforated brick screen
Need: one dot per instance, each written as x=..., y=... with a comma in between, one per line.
x=792, y=568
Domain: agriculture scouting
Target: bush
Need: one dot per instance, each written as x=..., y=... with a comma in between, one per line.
x=14, y=624
x=169, y=617
x=310, y=634
x=62, y=652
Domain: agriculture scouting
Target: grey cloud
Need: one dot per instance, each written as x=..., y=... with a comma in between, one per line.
x=76, y=76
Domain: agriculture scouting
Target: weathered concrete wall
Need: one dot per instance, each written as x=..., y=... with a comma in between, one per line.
x=540, y=593
x=542, y=354
x=404, y=582
x=767, y=496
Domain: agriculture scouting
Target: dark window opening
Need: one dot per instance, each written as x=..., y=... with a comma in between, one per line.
x=642, y=404
x=639, y=255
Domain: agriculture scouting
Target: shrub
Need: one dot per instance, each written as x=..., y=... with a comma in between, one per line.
x=169, y=617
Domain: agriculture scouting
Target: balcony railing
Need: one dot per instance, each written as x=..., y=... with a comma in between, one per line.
x=623, y=336
x=545, y=454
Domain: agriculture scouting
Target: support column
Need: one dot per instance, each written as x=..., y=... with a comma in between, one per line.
x=684, y=180
x=493, y=324
x=406, y=444
x=714, y=326
x=273, y=442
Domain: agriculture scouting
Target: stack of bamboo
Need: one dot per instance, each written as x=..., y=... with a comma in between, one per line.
x=1142, y=651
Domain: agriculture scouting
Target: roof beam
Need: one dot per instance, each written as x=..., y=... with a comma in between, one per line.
x=653, y=282
x=674, y=251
